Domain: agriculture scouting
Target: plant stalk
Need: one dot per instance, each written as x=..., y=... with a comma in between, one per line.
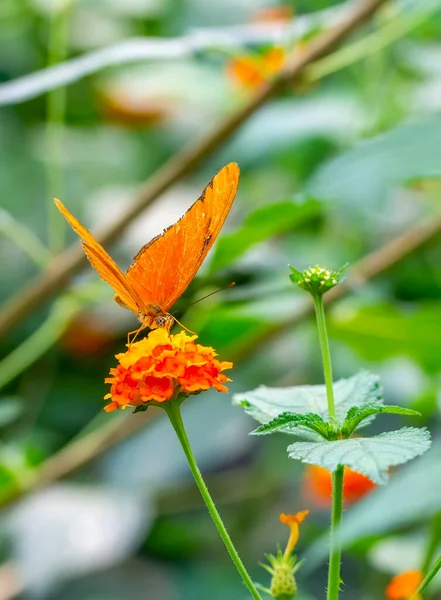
x=173, y=411
x=427, y=579
x=337, y=476
x=326, y=355
x=335, y=551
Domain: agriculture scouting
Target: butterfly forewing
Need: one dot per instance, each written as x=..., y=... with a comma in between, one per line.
x=163, y=268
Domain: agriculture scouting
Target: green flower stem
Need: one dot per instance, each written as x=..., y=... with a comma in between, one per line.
x=335, y=552
x=337, y=476
x=173, y=411
x=326, y=355
x=428, y=578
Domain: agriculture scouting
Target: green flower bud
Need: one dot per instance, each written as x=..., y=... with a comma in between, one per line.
x=316, y=280
x=283, y=568
x=283, y=583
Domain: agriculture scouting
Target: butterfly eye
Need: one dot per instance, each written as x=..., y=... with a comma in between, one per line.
x=164, y=320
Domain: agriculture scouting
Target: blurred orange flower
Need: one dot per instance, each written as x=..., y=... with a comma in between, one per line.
x=273, y=14
x=162, y=366
x=253, y=70
x=404, y=586
x=318, y=485
x=293, y=521
x=87, y=336
x=126, y=107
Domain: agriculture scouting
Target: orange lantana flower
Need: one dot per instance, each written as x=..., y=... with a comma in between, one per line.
x=318, y=485
x=161, y=367
x=404, y=586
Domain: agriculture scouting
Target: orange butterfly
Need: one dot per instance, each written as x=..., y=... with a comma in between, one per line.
x=165, y=266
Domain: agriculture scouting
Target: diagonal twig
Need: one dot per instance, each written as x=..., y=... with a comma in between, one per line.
x=93, y=444
x=66, y=264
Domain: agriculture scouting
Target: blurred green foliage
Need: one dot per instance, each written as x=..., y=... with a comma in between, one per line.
x=328, y=174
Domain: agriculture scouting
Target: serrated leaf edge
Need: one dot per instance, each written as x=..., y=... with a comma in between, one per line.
x=383, y=473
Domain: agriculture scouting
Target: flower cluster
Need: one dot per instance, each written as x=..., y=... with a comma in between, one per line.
x=316, y=280
x=161, y=367
x=404, y=586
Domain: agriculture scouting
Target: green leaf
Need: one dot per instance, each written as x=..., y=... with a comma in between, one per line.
x=289, y=422
x=357, y=414
x=362, y=176
x=370, y=456
x=411, y=498
x=260, y=225
x=264, y=403
x=295, y=275
x=141, y=408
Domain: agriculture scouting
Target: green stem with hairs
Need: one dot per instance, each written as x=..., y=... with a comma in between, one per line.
x=173, y=411
x=335, y=551
x=326, y=355
x=337, y=476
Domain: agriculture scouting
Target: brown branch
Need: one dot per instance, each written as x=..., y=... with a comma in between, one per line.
x=95, y=443
x=70, y=261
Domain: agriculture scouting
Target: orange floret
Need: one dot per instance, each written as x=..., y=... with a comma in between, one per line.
x=404, y=586
x=293, y=521
x=162, y=366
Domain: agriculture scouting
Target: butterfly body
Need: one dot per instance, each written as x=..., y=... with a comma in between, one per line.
x=154, y=316
x=165, y=266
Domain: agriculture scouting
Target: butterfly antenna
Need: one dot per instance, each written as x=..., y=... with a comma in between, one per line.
x=183, y=326
x=233, y=283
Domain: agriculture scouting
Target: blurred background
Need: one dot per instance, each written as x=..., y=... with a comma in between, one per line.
x=333, y=169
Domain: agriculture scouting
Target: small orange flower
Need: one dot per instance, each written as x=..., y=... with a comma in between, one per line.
x=318, y=485
x=162, y=366
x=404, y=586
x=293, y=521
x=134, y=108
x=251, y=71
x=273, y=14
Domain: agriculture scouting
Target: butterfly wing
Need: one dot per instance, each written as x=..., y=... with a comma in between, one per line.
x=163, y=268
x=104, y=264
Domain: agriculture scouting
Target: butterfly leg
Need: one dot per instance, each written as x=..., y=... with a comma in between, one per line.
x=135, y=334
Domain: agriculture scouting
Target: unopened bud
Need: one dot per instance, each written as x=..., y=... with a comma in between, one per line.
x=317, y=280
